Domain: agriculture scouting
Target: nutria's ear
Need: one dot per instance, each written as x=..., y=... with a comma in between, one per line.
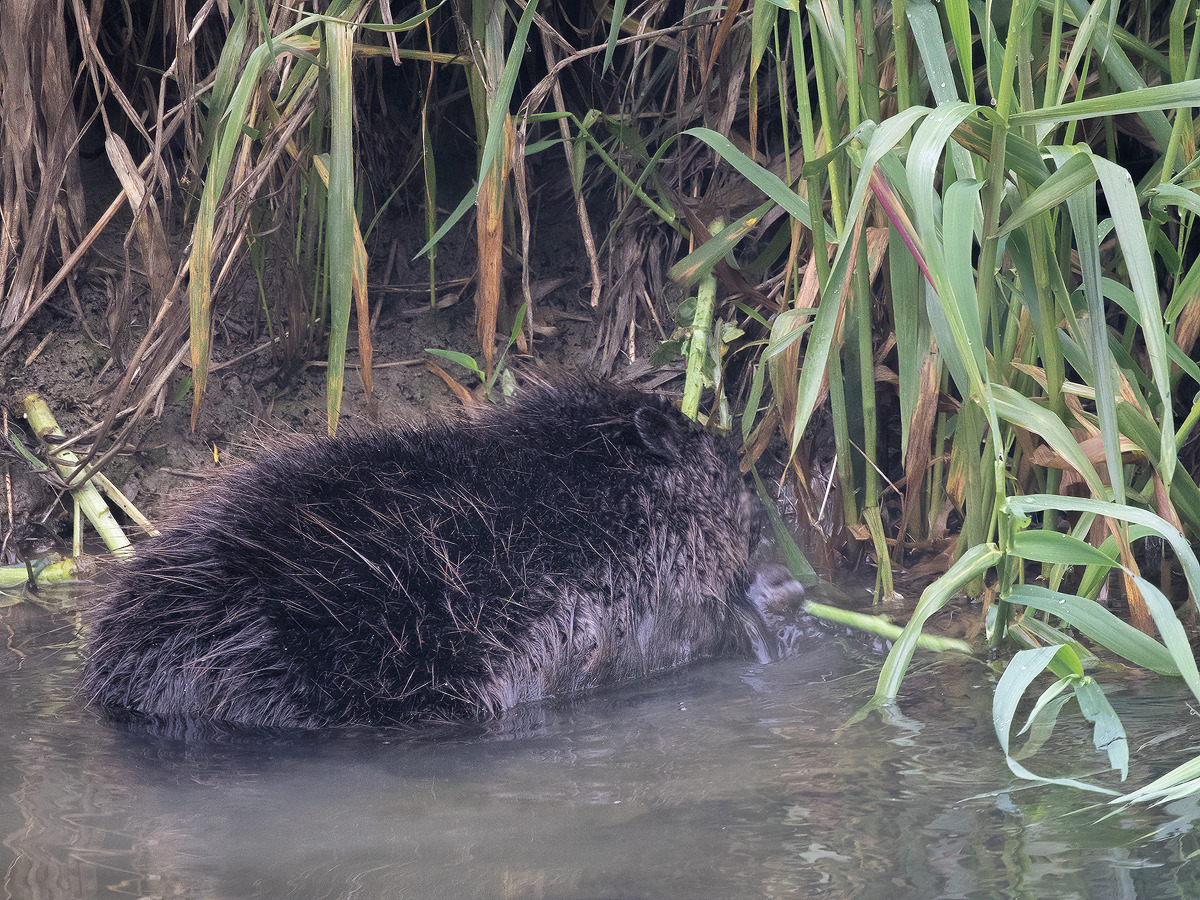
x=662, y=434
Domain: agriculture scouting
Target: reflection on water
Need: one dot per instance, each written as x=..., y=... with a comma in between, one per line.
x=727, y=780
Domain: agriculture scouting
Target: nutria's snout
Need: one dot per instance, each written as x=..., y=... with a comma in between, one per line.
x=778, y=598
x=774, y=589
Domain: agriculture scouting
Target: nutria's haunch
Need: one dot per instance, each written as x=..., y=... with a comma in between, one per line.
x=583, y=535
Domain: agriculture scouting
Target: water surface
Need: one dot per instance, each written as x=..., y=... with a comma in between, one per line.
x=727, y=780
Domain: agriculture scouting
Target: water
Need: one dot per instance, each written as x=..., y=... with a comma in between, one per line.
x=727, y=780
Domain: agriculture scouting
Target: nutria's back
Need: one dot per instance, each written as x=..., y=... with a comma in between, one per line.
x=583, y=535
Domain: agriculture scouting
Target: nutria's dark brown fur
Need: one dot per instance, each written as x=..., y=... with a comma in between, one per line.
x=584, y=535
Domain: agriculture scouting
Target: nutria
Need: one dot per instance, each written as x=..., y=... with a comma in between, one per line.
x=582, y=535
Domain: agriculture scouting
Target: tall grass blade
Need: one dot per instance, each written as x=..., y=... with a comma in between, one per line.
x=1020, y=410
x=1034, y=503
x=766, y=181
x=227, y=135
x=497, y=112
x=340, y=219
x=971, y=565
x=1026, y=665
x=1100, y=625
x=1185, y=95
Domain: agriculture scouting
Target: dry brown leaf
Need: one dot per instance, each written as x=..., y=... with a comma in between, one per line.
x=919, y=450
x=1093, y=450
x=465, y=397
x=152, y=240
x=489, y=231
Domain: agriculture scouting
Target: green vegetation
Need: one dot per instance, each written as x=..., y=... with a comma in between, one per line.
x=1055, y=344
x=957, y=237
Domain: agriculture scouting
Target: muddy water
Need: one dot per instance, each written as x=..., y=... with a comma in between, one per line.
x=728, y=780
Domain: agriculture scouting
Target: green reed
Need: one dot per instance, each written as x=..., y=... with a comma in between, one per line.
x=1001, y=301
x=957, y=205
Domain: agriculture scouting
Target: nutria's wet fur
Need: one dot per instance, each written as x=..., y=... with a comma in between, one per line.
x=584, y=535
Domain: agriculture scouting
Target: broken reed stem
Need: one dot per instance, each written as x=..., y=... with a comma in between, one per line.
x=41, y=420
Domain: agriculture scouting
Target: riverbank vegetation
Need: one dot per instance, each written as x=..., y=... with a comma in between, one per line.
x=944, y=252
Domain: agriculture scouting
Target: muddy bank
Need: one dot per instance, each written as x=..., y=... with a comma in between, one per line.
x=68, y=355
